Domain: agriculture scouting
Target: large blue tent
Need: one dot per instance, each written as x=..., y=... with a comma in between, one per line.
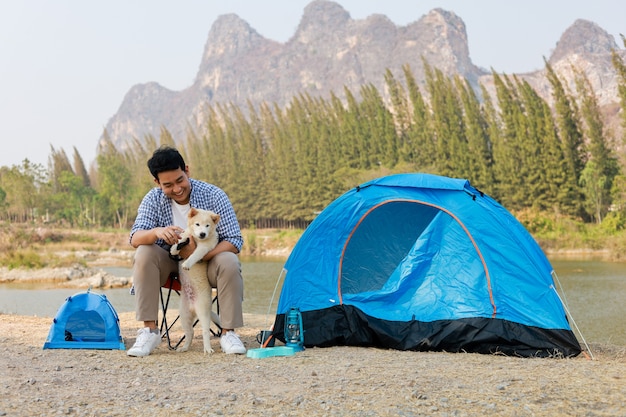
x=424, y=262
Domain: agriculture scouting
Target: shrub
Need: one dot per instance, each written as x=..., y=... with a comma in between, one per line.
x=22, y=258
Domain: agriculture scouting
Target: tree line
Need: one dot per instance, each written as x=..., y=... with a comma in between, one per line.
x=286, y=164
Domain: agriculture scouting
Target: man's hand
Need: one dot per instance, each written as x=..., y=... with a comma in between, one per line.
x=188, y=249
x=169, y=234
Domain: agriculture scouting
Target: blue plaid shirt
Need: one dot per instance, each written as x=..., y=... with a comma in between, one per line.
x=155, y=210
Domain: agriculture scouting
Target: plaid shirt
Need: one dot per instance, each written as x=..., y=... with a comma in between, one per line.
x=155, y=210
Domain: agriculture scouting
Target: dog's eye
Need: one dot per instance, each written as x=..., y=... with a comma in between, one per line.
x=198, y=224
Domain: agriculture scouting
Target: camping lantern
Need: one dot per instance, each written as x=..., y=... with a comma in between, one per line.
x=294, y=333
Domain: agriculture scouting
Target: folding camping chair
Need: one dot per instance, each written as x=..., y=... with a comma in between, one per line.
x=173, y=285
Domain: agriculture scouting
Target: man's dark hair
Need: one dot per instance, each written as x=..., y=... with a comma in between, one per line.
x=164, y=159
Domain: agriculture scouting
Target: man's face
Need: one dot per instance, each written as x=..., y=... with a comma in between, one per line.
x=175, y=185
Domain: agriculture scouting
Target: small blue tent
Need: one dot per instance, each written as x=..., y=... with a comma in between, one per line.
x=424, y=262
x=85, y=321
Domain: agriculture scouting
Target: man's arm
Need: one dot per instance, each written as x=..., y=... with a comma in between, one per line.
x=223, y=246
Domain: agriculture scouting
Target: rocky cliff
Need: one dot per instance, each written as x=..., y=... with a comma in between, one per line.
x=329, y=51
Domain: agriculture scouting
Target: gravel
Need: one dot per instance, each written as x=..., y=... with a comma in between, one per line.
x=338, y=381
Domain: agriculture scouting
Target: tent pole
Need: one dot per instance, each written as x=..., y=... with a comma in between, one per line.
x=565, y=306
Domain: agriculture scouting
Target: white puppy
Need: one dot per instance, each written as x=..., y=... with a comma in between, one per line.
x=196, y=292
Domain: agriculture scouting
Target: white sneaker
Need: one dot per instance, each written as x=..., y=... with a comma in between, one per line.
x=146, y=342
x=231, y=343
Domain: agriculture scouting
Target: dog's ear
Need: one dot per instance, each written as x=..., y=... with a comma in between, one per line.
x=192, y=212
x=215, y=217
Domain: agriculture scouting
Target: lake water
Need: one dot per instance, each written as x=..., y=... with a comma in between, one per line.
x=594, y=292
x=260, y=280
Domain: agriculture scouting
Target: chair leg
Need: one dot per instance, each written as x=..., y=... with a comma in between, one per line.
x=165, y=326
x=218, y=328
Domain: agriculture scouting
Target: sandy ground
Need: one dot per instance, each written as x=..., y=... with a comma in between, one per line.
x=339, y=381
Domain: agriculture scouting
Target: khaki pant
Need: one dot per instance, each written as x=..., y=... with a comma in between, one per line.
x=152, y=265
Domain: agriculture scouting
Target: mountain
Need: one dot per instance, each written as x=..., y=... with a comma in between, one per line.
x=329, y=51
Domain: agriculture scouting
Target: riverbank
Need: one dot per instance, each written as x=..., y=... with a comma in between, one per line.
x=85, y=272
x=70, y=258
x=338, y=381
x=66, y=258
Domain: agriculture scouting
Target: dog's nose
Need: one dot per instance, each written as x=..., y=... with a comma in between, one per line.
x=202, y=235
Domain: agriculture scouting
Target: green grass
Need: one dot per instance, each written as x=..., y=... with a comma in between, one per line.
x=554, y=232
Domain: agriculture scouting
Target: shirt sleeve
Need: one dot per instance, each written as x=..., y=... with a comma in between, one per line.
x=147, y=214
x=228, y=226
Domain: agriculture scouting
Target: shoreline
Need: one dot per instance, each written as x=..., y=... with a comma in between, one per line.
x=92, y=275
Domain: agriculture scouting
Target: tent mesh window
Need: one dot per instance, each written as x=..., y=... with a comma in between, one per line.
x=369, y=259
x=85, y=326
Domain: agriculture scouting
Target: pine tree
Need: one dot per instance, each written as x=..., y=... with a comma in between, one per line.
x=506, y=145
x=419, y=145
x=249, y=196
x=618, y=191
x=602, y=166
x=166, y=138
x=358, y=137
x=79, y=168
x=477, y=133
x=620, y=68
x=448, y=126
x=382, y=132
x=494, y=132
x=541, y=156
x=400, y=111
x=571, y=143
x=58, y=162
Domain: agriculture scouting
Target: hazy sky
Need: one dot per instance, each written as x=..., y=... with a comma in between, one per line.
x=65, y=65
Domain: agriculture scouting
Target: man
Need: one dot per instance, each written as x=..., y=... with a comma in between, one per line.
x=161, y=217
